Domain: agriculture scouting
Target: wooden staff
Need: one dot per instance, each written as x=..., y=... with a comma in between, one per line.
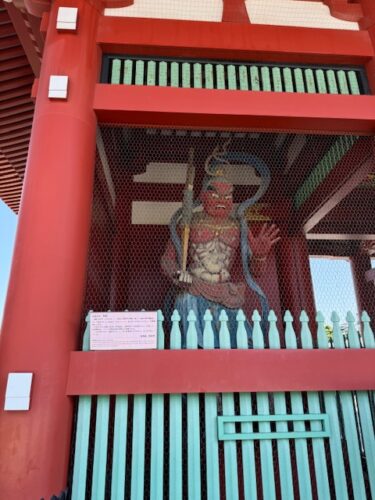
x=187, y=208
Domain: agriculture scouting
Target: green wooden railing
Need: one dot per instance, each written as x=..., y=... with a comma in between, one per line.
x=328, y=436
x=233, y=76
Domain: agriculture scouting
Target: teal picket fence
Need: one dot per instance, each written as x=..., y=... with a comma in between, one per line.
x=285, y=445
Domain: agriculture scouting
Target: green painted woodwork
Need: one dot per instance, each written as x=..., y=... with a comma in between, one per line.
x=277, y=80
x=254, y=78
x=313, y=400
x=157, y=431
x=320, y=79
x=116, y=71
x=175, y=419
x=208, y=76
x=349, y=420
x=230, y=448
x=335, y=443
x=197, y=76
x=193, y=427
x=302, y=457
x=128, y=72
x=263, y=406
x=175, y=80
x=100, y=448
x=335, y=153
x=283, y=445
x=330, y=417
x=266, y=79
x=163, y=68
x=139, y=72
x=210, y=416
x=220, y=77
x=244, y=79
x=151, y=73
x=288, y=79
x=234, y=76
x=247, y=447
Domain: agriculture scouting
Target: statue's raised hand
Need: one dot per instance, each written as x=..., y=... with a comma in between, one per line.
x=262, y=243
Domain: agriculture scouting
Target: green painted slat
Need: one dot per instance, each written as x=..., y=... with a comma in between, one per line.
x=157, y=430
x=197, y=75
x=116, y=70
x=364, y=410
x=302, y=458
x=277, y=80
x=283, y=447
x=186, y=75
x=353, y=82
x=175, y=80
x=310, y=82
x=349, y=420
x=175, y=428
x=119, y=448
x=220, y=77
x=254, y=78
x=266, y=79
x=330, y=404
x=193, y=422
x=266, y=459
x=368, y=335
x=138, y=447
x=151, y=73
x=81, y=448
x=244, y=80
x=139, y=72
x=288, y=80
x=82, y=433
x=247, y=447
x=298, y=79
x=210, y=415
x=163, y=74
x=230, y=448
x=320, y=462
x=331, y=80
x=128, y=72
x=208, y=76
x=321, y=82
x=100, y=448
x=232, y=79
x=343, y=84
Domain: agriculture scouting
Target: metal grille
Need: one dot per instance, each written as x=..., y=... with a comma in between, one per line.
x=227, y=75
x=139, y=184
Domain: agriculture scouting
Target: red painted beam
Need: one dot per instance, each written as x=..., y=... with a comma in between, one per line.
x=202, y=108
x=162, y=37
x=146, y=372
x=349, y=172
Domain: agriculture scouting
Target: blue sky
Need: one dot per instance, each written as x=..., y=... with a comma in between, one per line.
x=333, y=283
x=8, y=224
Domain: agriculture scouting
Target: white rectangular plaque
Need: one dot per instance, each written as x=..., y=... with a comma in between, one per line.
x=123, y=330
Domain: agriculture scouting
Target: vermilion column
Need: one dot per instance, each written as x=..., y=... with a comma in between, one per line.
x=45, y=294
x=295, y=283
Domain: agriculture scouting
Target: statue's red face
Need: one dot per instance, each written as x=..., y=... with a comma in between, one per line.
x=217, y=199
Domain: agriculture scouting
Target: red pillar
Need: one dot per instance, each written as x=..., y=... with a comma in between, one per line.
x=365, y=291
x=295, y=283
x=44, y=301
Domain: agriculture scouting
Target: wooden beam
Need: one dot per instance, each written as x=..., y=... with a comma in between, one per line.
x=348, y=173
x=339, y=237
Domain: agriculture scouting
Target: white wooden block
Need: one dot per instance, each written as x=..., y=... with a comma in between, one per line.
x=58, y=87
x=17, y=394
x=67, y=18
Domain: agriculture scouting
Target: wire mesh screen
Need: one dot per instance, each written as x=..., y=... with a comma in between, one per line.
x=281, y=12
x=320, y=197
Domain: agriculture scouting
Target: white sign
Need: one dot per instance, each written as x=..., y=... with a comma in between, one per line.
x=123, y=330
